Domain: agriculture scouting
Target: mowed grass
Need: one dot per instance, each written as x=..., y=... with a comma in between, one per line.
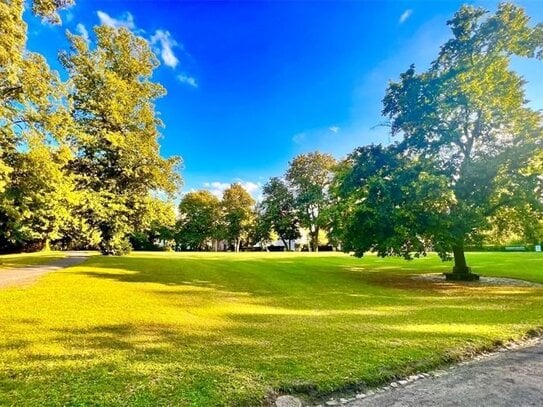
x=28, y=259
x=228, y=329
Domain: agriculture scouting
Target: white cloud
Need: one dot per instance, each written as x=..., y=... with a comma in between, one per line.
x=166, y=44
x=334, y=129
x=251, y=187
x=189, y=80
x=126, y=20
x=82, y=30
x=405, y=15
x=217, y=188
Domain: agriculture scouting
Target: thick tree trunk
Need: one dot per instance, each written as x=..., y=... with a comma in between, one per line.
x=287, y=248
x=460, y=265
x=461, y=271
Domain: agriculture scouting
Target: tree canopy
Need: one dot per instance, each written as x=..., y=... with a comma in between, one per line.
x=199, y=220
x=238, y=216
x=469, y=147
x=279, y=210
x=79, y=160
x=309, y=176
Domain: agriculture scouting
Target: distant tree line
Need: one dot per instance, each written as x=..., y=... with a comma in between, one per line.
x=299, y=200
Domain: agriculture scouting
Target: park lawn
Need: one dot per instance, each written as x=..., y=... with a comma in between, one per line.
x=210, y=329
x=29, y=259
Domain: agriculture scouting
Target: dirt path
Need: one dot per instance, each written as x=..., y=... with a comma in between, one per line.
x=29, y=274
x=510, y=378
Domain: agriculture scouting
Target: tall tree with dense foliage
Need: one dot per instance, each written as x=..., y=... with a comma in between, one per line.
x=35, y=190
x=237, y=213
x=278, y=211
x=199, y=220
x=309, y=176
x=118, y=162
x=470, y=145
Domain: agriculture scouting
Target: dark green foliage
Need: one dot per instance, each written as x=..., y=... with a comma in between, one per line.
x=309, y=176
x=470, y=146
x=279, y=211
x=199, y=221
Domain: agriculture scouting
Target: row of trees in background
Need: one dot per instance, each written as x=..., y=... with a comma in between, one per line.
x=79, y=159
x=296, y=202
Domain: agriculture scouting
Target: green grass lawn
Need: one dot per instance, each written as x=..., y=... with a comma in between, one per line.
x=28, y=259
x=227, y=329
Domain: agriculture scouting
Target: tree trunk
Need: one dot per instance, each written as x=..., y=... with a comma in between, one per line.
x=316, y=240
x=285, y=244
x=460, y=265
x=461, y=271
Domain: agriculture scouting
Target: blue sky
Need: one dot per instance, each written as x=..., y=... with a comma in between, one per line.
x=252, y=84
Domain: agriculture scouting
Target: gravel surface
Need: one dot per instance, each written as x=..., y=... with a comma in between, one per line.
x=489, y=281
x=507, y=378
x=29, y=274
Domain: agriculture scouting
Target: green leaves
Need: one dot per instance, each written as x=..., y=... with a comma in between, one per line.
x=309, y=176
x=199, y=220
x=279, y=211
x=468, y=141
x=79, y=161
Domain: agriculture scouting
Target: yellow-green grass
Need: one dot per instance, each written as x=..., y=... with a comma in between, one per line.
x=227, y=329
x=29, y=259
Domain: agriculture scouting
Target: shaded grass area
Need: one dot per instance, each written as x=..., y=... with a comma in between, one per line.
x=210, y=329
x=28, y=259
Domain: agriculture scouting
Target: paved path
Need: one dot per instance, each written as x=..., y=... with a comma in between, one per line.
x=510, y=378
x=29, y=274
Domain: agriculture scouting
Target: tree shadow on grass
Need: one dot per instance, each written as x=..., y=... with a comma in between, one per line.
x=320, y=327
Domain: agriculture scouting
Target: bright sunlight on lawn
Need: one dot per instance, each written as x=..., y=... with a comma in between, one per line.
x=226, y=329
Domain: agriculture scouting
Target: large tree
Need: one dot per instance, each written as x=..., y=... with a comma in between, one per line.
x=35, y=190
x=199, y=220
x=238, y=216
x=278, y=211
x=310, y=175
x=115, y=136
x=470, y=145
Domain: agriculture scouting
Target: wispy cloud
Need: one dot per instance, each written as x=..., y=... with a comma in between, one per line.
x=165, y=43
x=334, y=129
x=405, y=15
x=162, y=42
x=125, y=20
x=82, y=30
x=189, y=80
x=217, y=188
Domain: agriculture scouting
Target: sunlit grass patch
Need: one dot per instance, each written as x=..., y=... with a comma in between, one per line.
x=225, y=329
